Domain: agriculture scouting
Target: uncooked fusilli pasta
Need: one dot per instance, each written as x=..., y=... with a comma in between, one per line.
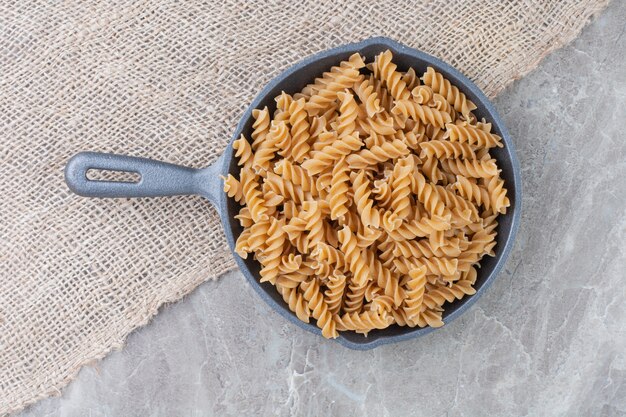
x=370, y=197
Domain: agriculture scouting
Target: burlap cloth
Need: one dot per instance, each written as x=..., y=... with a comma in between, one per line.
x=169, y=80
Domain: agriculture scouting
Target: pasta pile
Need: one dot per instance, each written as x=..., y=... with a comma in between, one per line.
x=369, y=197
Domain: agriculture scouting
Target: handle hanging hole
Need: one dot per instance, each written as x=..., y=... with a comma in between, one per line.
x=96, y=174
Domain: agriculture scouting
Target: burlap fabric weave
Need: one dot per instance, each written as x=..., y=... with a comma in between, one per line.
x=169, y=80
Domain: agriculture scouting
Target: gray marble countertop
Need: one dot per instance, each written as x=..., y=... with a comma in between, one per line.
x=547, y=339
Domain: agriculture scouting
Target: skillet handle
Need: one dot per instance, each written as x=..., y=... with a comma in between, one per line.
x=157, y=178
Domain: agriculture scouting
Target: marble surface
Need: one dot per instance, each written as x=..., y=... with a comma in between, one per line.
x=547, y=339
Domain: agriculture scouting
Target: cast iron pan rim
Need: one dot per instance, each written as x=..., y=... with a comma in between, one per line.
x=506, y=246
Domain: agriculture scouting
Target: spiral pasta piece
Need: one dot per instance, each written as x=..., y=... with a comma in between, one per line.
x=322, y=269
x=482, y=242
x=378, y=154
x=314, y=225
x=411, y=79
x=299, y=130
x=385, y=255
x=312, y=89
x=389, y=221
x=272, y=253
x=418, y=112
x=280, y=186
x=296, y=174
x=454, y=201
x=422, y=94
x=335, y=292
x=484, y=126
x=296, y=302
x=470, y=191
x=290, y=262
x=385, y=279
x=430, y=168
x=317, y=126
x=382, y=93
x=320, y=160
x=244, y=217
x=435, y=133
x=324, y=139
x=443, y=149
x=295, y=278
x=366, y=93
x=278, y=134
x=451, y=93
x=352, y=254
x=300, y=241
x=385, y=70
x=290, y=209
x=423, y=248
x=364, y=322
x=441, y=104
x=472, y=135
x=252, y=195
x=416, y=287
x=323, y=180
x=319, y=308
x=338, y=196
x=381, y=124
x=261, y=127
x=326, y=252
x=401, y=319
x=426, y=226
x=243, y=151
x=348, y=113
x=470, y=167
x=324, y=100
x=381, y=303
x=366, y=236
x=497, y=194
x=272, y=201
x=242, y=246
x=470, y=276
x=382, y=195
x=410, y=138
x=372, y=291
x=429, y=318
x=232, y=187
x=283, y=103
x=438, y=295
x=401, y=189
x=355, y=296
x=330, y=115
x=257, y=240
x=341, y=78
x=364, y=204
x=426, y=194
x=436, y=239
x=350, y=219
